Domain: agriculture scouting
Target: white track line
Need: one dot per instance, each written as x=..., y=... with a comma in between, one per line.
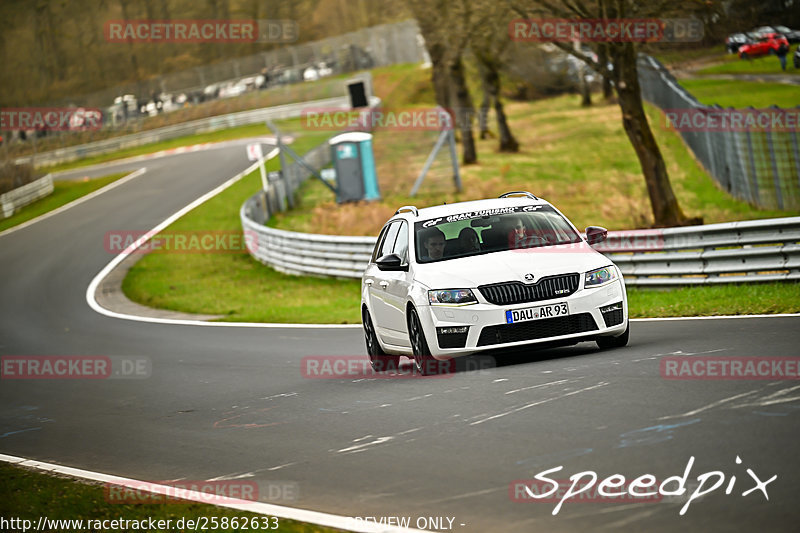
x=779, y=315
x=92, y=289
x=290, y=513
x=178, y=150
x=77, y=201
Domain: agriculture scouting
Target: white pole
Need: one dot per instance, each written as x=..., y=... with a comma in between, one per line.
x=263, y=172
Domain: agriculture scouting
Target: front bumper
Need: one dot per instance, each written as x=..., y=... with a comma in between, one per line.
x=487, y=327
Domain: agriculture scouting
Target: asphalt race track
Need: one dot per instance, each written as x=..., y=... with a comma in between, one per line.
x=232, y=402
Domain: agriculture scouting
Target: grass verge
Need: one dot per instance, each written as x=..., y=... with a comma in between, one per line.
x=734, y=299
x=63, y=193
x=731, y=64
x=741, y=94
x=28, y=495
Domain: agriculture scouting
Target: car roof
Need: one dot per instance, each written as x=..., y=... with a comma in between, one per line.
x=473, y=205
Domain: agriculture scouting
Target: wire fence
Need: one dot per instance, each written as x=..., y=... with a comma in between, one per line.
x=376, y=46
x=754, y=154
x=290, y=74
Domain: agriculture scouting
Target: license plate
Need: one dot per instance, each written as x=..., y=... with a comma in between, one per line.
x=537, y=313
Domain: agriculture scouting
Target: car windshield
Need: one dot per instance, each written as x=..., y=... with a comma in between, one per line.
x=491, y=230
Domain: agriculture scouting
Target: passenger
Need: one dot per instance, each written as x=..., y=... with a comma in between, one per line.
x=517, y=236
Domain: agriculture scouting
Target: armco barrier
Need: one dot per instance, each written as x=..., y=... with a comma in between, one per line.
x=22, y=196
x=209, y=124
x=735, y=252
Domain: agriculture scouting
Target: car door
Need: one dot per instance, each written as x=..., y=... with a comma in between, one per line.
x=378, y=281
x=396, y=291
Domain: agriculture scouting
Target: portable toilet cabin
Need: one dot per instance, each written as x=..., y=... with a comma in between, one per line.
x=352, y=158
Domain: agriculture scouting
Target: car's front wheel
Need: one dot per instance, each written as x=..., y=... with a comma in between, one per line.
x=615, y=342
x=379, y=359
x=423, y=360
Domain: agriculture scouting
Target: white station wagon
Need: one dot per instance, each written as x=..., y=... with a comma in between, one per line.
x=467, y=277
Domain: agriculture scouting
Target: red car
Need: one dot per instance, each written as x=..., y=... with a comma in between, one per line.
x=768, y=43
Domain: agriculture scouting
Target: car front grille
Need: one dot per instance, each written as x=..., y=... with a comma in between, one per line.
x=515, y=292
x=537, y=329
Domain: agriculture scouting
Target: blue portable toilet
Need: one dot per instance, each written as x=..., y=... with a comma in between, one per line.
x=352, y=157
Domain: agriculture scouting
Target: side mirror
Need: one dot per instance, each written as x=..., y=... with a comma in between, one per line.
x=391, y=262
x=596, y=234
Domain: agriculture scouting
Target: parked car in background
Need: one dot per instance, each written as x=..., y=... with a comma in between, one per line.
x=793, y=36
x=736, y=40
x=768, y=43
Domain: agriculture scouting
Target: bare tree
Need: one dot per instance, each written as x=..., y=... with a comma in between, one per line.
x=488, y=45
x=624, y=74
x=446, y=27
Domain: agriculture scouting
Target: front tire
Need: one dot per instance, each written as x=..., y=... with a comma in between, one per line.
x=424, y=362
x=615, y=342
x=379, y=360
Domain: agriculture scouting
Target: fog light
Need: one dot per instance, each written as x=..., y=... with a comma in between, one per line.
x=612, y=314
x=450, y=331
x=452, y=336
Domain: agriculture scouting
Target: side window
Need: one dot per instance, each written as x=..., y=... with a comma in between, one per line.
x=401, y=243
x=379, y=244
x=388, y=241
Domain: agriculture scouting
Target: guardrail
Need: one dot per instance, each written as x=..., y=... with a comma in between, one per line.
x=242, y=118
x=733, y=252
x=22, y=196
x=736, y=252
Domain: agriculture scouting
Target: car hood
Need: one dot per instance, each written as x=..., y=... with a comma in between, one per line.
x=511, y=265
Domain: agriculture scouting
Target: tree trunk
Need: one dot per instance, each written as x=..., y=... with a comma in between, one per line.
x=464, y=110
x=483, y=113
x=602, y=58
x=507, y=141
x=666, y=211
x=490, y=77
x=439, y=75
x=586, y=93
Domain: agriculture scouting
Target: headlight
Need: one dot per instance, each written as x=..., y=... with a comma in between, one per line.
x=600, y=276
x=452, y=297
